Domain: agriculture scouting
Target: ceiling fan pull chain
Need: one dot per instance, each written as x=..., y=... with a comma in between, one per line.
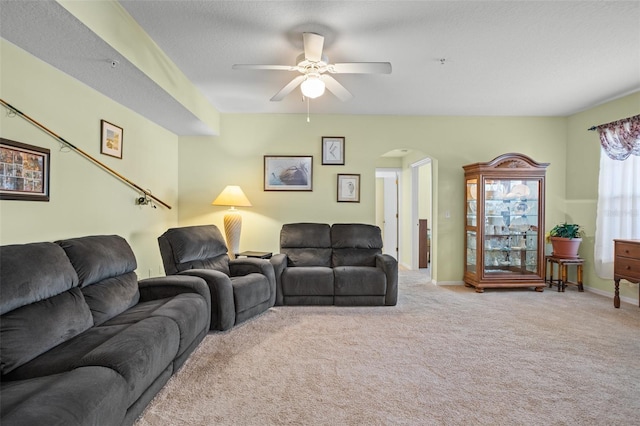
x=308, y=120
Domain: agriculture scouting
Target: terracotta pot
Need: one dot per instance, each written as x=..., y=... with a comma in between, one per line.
x=565, y=247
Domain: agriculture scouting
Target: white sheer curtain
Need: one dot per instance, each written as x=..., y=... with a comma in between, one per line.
x=618, y=213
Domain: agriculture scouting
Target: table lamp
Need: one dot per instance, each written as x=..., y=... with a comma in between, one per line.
x=232, y=196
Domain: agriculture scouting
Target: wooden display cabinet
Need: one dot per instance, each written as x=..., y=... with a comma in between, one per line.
x=504, y=223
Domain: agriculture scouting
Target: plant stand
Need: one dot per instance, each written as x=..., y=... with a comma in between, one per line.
x=563, y=264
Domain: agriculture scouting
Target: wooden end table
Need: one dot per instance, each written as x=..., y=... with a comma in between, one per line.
x=563, y=264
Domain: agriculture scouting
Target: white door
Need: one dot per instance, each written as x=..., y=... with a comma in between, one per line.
x=390, y=211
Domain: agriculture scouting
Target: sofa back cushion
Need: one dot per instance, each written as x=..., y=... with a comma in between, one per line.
x=105, y=265
x=306, y=244
x=355, y=244
x=193, y=247
x=40, y=303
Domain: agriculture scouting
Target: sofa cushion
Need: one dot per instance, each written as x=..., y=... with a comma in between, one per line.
x=98, y=257
x=188, y=310
x=355, y=244
x=33, y=272
x=112, y=296
x=307, y=281
x=105, y=265
x=308, y=256
x=139, y=353
x=31, y=330
x=65, y=356
x=84, y=396
x=359, y=281
x=306, y=244
x=193, y=247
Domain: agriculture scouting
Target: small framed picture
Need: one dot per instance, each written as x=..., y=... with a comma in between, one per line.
x=110, y=139
x=348, y=188
x=288, y=172
x=333, y=150
x=24, y=171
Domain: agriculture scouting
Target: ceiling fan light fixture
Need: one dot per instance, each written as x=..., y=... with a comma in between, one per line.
x=312, y=86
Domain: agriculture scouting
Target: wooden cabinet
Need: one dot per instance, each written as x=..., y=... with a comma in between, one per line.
x=504, y=223
x=626, y=265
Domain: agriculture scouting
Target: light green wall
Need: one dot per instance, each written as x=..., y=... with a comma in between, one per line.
x=85, y=200
x=207, y=164
x=582, y=170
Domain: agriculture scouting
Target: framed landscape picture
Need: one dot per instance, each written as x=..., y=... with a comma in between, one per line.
x=333, y=150
x=110, y=139
x=288, y=172
x=348, y=188
x=24, y=171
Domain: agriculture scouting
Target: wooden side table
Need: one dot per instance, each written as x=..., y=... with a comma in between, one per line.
x=563, y=264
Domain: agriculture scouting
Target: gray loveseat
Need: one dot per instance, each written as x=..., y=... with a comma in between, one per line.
x=83, y=342
x=240, y=288
x=341, y=264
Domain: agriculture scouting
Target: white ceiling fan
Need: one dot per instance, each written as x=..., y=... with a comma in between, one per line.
x=313, y=66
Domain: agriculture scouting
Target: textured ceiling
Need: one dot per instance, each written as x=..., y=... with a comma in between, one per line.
x=460, y=58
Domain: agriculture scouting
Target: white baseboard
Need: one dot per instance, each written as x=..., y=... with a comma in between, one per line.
x=448, y=282
x=609, y=294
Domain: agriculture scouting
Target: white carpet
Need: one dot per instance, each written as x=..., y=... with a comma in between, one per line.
x=443, y=356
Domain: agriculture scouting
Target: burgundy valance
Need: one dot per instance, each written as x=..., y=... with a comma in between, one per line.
x=621, y=138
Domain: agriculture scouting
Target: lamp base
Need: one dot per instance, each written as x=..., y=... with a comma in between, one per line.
x=232, y=228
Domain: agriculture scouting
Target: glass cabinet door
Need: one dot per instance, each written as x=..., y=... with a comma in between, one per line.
x=511, y=226
x=471, y=200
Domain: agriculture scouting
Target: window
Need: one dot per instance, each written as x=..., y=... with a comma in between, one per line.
x=618, y=212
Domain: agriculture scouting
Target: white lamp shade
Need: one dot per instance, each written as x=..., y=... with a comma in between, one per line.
x=232, y=195
x=312, y=86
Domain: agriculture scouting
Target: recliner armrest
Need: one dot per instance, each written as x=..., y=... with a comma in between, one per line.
x=279, y=263
x=389, y=266
x=223, y=311
x=250, y=265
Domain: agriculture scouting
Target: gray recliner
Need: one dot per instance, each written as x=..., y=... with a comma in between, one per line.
x=240, y=288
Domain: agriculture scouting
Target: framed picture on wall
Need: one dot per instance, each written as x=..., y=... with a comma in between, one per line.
x=24, y=171
x=288, y=172
x=110, y=139
x=348, y=188
x=333, y=150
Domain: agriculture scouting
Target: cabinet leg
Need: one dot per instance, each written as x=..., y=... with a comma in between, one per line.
x=616, y=297
x=540, y=289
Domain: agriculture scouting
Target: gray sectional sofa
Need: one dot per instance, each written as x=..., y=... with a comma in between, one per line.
x=82, y=341
x=339, y=264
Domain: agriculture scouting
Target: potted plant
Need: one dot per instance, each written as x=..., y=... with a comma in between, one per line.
x=565, y=239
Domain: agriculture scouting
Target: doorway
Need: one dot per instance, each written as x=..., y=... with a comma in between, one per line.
x=387, y=209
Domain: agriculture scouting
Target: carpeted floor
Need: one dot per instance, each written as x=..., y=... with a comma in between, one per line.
x=444, y=356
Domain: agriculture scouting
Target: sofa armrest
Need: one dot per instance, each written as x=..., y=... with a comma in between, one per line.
x=389, y=266
x=279, y=263
x=163, y=287
x=223, y=310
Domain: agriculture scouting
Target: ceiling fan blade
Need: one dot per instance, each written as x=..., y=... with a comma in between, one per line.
x=313, y=44
x=361, y=68
x=288, y=88
x=336, y=88
x=264, y=67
